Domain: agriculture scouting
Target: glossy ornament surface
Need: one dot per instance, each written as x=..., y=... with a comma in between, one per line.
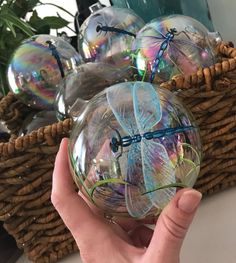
x=132, y=147
x=37, y=67
x=85, y=82
x=34, y=121
x=107, y=35
x=172, y=45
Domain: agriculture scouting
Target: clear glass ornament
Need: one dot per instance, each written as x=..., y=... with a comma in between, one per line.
x=107, y=35
x=85, y=82
x=36, y=120
x=37, y=67
x=132, y=147
x=173, y=45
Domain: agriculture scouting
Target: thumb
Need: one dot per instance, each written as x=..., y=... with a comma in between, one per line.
x=173, y=225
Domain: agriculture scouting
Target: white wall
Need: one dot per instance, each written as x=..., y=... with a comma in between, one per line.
x=223, y=14
x=48, y=10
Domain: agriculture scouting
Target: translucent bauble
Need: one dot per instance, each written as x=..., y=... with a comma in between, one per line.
x=37, y=67
x=107, y=35
x=84, y=83
x=34, y=121
x=195, y=30
x=173, y=45
x=132, y=147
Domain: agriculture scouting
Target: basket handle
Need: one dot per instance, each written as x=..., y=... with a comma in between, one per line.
x=49, y=134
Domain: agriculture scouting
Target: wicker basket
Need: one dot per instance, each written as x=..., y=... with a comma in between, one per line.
x=26, y=163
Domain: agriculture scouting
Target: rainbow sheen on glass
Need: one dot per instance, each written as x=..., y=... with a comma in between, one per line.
x=34, y=71
x=105, y=35
x=172, y=45
x=132, y=148
x=84, y=83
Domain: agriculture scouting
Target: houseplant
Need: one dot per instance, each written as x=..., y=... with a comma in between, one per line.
x=19, y=20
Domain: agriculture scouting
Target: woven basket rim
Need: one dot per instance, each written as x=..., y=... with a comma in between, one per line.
x=201, y=77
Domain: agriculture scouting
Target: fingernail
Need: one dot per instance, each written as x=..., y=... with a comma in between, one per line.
x=189, y=201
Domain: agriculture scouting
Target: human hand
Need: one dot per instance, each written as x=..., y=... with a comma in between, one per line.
x=100, y=240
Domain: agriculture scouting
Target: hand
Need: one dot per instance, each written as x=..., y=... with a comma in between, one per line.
x=102, y=241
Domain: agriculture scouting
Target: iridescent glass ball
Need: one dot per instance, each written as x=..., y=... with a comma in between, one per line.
x=172, y=45
x=132, y=148
x=85, y=82
x=107, y=35
x=37, y=67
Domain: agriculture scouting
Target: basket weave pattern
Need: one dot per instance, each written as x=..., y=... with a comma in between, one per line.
x=26, y=163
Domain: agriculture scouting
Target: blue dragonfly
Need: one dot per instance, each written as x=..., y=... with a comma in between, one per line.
x=106, y=29
x=128, y=140
x=164, y=45
x=56, y=55
x=182, y=52
x=137, y=109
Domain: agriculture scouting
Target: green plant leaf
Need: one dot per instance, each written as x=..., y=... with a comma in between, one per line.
x=176, y=185
x=39, y=24
x=104, y=182
x=55, y=22
x=31, y=4
x=11, y=27
x=59, y=7
x=22, y=7
x=17, y=22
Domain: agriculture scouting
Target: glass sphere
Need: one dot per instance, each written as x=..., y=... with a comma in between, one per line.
x=37, y=67
x=172, y=45
x=34, y=121
x=132, y=147
x=85, y=82
x=107, y=35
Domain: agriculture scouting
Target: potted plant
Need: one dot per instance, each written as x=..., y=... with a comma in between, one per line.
x=18, y=21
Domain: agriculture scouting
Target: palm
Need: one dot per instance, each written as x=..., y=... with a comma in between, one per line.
x=123, y=241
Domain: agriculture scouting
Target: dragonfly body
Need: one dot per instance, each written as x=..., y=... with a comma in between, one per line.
x=57, y=57
x=144, y=156
x=167, y=39
x=115, y=30
x=128, y=140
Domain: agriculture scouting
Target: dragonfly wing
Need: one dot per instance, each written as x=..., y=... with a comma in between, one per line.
x=137, y=204
x=147, y=106
x=148, y=42
x=120, y=99
x=158, y=172
x=189, y=57
x=188, y=164
x=150, y=38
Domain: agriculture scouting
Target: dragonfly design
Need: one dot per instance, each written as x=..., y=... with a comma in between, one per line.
x=56, y=55
x=128, y=140
x=183, y=53
x=114, y=30
x=149, y=165
x=164, y=45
